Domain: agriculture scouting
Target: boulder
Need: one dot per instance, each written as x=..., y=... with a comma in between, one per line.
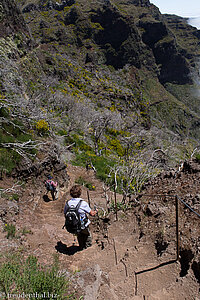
x=89, y=281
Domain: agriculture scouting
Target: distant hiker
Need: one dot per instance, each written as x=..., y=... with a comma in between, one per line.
x=52, y=187
x=76, y=220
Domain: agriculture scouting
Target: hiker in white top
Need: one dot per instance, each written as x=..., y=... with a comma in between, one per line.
x=84, y=237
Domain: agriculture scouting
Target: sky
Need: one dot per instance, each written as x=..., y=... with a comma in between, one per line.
x=183, y=8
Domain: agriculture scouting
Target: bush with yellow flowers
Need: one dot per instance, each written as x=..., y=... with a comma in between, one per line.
x=42, y=127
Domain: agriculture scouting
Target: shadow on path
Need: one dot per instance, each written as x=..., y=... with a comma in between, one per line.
x=152, y=269
x=46, y=198
x=62, y=248
x=156, y=267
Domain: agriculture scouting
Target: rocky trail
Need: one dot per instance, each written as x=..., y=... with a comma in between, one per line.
x=121, y=264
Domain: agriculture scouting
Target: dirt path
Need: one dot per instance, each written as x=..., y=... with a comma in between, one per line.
x=115, y=257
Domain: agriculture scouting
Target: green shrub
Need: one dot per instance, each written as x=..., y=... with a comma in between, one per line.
x=15, y=197
x=42, y=127
x=82, y=181
x=8, y=160
x=11, y=230
x=119, y=206
x=28, y=277
x=197, y=156
x=90, y=186
x=63, y=132
x=115, y=145
x=3, y=112
x=102, y=164
x=12, y=132
x=80, y=144
x=26, y=231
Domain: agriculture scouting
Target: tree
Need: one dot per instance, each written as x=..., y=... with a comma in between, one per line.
x=101, y=120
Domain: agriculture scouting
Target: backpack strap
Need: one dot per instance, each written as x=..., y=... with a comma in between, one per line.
x=78, y=205
x=76, y=208
x=67, y=205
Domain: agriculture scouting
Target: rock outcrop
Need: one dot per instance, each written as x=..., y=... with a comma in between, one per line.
x=156, y=214
x=11, y=20
x=141, y=39
x=38, y=171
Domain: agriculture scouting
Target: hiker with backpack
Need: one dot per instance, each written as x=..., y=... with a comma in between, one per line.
x=51, y=186
x=76, y=219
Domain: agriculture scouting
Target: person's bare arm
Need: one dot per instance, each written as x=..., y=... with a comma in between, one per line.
x=93, y=213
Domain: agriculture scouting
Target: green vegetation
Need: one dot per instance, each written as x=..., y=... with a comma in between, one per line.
x=14, y=197
x=120, y=206
x=19, y=275
x=80, y=144
x=8, y=160
x=85, y=183
x=25, y=231
x=8, y=196
x=11, y=230
x=42, y=127
x=197, y=156
x=102, y=164
x=12, y=131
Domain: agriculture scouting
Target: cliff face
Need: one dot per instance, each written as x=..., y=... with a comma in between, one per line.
x=11, y=19
x=119, y=38
x=187, y=37
x=129, y=32
x=172, y=63
x=15, y=38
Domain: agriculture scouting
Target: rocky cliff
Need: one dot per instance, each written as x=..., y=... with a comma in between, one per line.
x=10, y=18
x=128, y=32
x=13, y=24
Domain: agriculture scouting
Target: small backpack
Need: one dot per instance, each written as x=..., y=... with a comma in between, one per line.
x=49, y=186
x=72, y=219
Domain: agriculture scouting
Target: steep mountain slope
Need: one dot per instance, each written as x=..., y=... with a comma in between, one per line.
x=111, y=86
x=76, y=41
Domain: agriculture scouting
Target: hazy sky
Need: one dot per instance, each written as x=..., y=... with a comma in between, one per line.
x=182, y=8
